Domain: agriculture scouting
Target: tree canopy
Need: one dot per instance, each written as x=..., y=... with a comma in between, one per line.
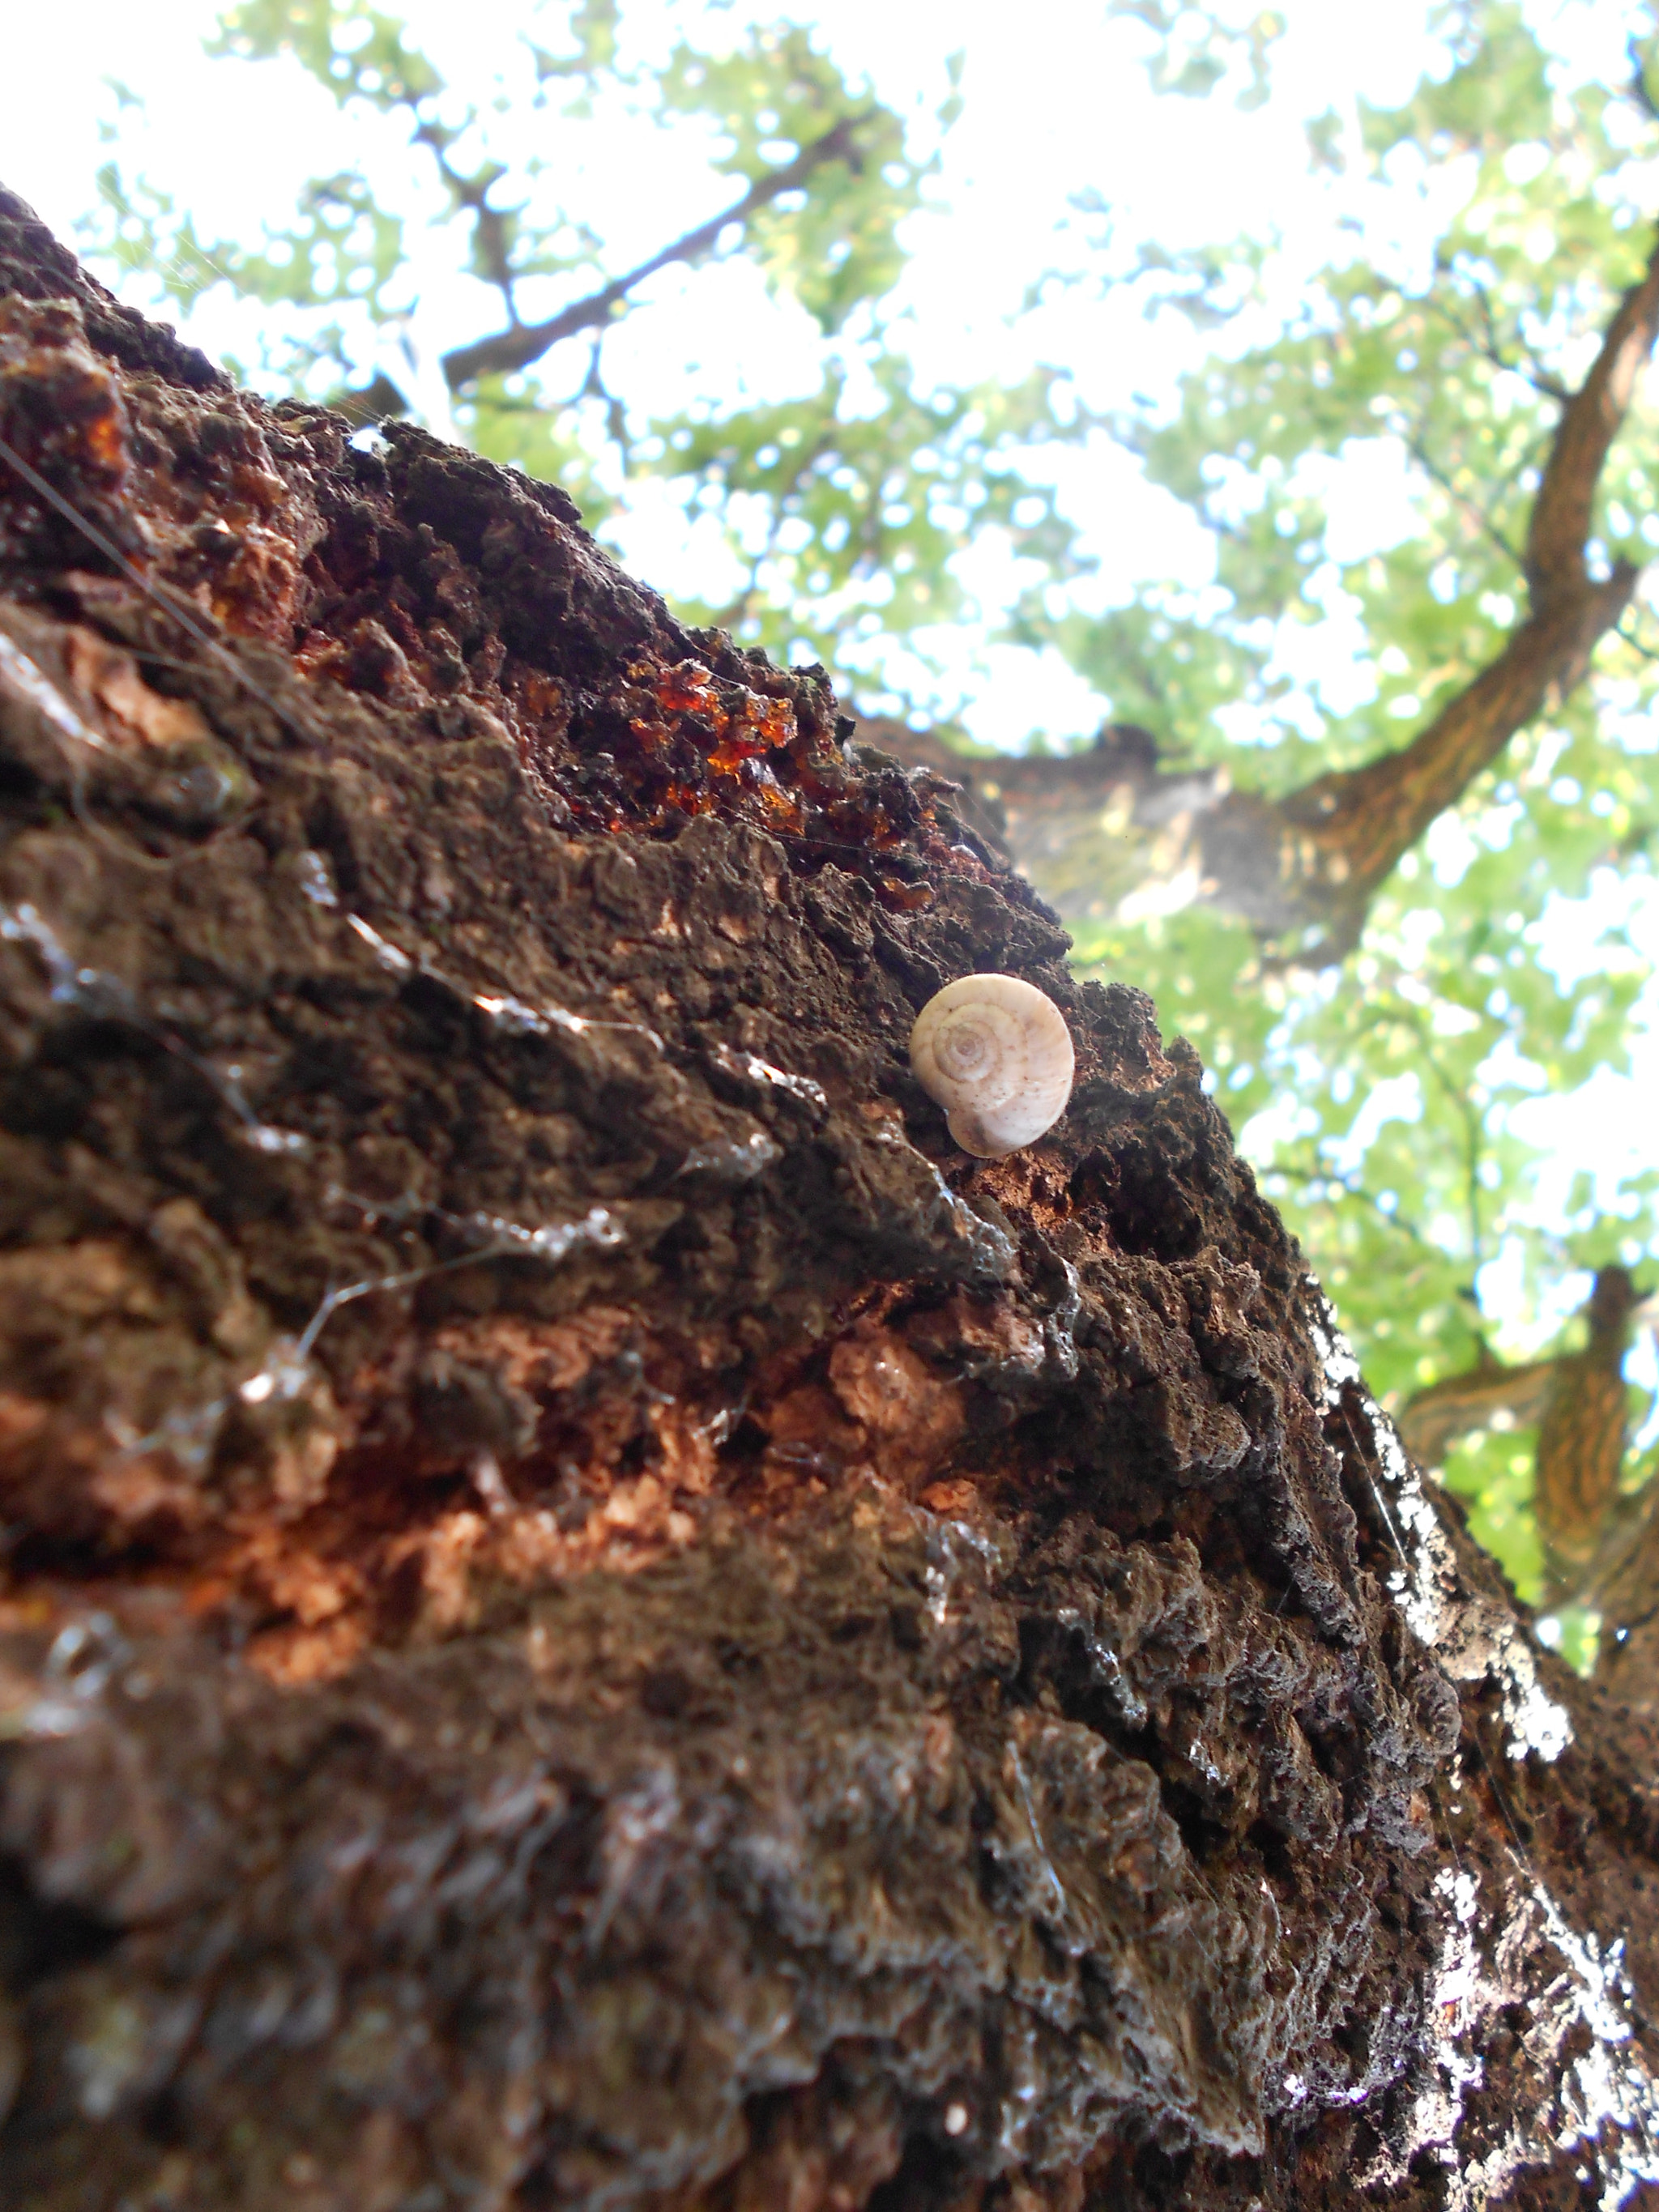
x=1375, y=828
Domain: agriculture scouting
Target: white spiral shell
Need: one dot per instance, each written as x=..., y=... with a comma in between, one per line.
x=997, y=1055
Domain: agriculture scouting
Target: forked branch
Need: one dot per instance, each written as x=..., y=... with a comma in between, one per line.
x=1361, y=822
x=1301, y=870
x=1491, y=1394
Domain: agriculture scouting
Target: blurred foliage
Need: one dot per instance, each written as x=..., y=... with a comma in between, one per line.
x=854, y=517
x=838, y=247
x=1195, y=52
x=846, y=504
x=1381, y=1101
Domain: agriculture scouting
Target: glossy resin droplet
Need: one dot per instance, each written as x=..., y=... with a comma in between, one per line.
x=996, y=1054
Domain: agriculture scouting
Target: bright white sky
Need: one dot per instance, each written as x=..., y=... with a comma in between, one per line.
x=1054, y=100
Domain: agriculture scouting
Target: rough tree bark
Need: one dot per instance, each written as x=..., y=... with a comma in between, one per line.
x=1096, y=829
x=593, y=1616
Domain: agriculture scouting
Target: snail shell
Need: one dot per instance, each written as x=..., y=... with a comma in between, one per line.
x=997, y=1055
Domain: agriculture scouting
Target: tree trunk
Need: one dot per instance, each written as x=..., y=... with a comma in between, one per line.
x=593, y=1615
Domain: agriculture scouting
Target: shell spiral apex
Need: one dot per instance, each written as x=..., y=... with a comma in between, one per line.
x=996, y=1054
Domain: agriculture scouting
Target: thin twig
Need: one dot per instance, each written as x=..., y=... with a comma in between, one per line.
x=1329, y=1181
x=1635, y=643
x=1490, y=347
x=1419, y=452
x=594, y=387
x=491, y=226
x=1468, y=1115
x=1548, y=387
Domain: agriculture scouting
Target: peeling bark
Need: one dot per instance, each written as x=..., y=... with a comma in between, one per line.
x=593, y=1616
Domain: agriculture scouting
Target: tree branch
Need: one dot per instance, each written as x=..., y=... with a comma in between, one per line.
x=492, y=227
x=1302, y=869
x=519, y=346
x=1362, y=820
x=1561, y=515
x=1431, y=1423
x=1647, y=652
x=594, y=386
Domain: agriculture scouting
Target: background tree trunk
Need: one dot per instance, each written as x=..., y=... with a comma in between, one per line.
x=1108, y=829
x=594, y=1616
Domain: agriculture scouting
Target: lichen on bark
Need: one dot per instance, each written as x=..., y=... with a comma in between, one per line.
x=593, y=1615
